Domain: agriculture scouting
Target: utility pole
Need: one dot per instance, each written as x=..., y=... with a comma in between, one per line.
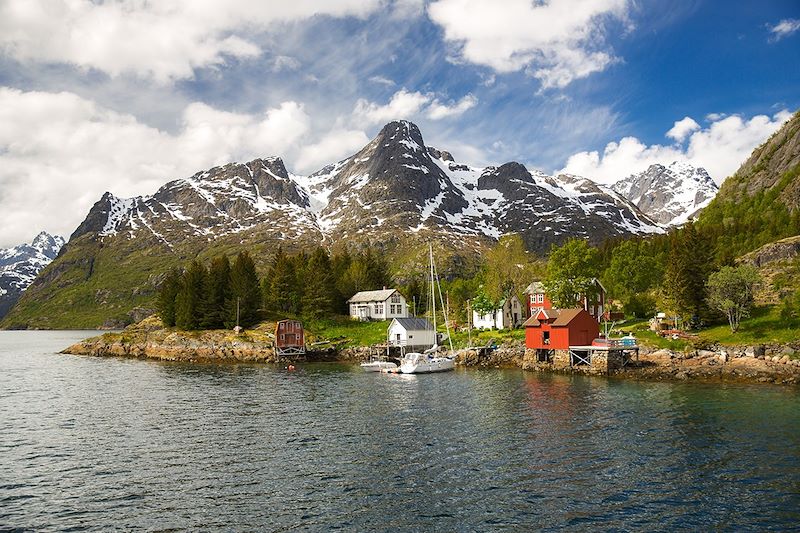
x=237, y=311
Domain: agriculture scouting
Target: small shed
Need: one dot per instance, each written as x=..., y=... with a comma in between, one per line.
x=558, y=329
x=290, y=338
x=411, y=333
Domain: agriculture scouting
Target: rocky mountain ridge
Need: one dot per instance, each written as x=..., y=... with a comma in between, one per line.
x=395, y=185
x=670, y=195
x=19, y=266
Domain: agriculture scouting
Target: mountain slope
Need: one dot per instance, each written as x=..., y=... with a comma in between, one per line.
x=395, y=193
x=669, y=195
x=760, y=203
x=20, y=265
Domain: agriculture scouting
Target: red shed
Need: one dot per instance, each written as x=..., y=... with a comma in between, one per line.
x=289, y=338
x=554, y=329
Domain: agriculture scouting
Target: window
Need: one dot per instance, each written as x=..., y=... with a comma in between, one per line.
x=395, y=298
x=545, y=337
x=378, y=309
x=539, y=298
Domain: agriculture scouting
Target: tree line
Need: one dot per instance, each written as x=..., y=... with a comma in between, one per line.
x=314, y=285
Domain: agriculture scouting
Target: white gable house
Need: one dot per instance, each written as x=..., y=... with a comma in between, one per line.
x=510, y=314
x=416, y=333
x=378, y=305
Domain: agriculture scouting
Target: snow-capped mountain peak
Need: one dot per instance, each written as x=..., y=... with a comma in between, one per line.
x=670, y=195
x=19, y=266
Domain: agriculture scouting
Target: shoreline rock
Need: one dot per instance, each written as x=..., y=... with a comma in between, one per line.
x=744, y=364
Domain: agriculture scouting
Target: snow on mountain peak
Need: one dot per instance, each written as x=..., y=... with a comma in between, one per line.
x=671, y=194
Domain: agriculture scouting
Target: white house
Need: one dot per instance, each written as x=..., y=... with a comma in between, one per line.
x=378, y=305
x=411, y=333
x=510, y=314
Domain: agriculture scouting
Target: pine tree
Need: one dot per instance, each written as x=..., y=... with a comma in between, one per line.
x=189, y=301
x=244, y=291
x=166, y=296
x=319, y=288
x=279, y=284
x=217, y=289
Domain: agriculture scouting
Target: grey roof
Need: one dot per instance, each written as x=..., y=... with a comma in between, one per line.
x=415, y=324
x=371, y=296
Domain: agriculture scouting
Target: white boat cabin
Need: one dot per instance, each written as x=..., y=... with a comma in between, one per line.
x=385, y=304
x=411, y=333
x=510, y=314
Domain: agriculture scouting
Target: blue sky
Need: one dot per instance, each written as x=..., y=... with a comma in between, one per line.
x=125, y=95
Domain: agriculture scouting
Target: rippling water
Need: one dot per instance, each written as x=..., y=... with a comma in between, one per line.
x=102, y=444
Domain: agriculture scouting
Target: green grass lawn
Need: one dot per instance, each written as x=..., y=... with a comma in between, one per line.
x=764, y=326
x=346, y=332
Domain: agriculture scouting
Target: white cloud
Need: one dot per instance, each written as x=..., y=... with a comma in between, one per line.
x=60, y=152
x=382, y=80
x=720, y=148
x=784, y=28
x=403, y=104
x=407, y=105
x=165, y=40
x=682, y=128
x=556, y=41
x=335, y=145
x=438, y=111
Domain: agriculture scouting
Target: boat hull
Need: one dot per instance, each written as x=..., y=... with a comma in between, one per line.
x=378, y=366
x=424, y=365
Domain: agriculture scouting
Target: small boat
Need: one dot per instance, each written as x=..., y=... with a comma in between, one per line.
x=428, y=361
x=378, y=365
x=425, y=363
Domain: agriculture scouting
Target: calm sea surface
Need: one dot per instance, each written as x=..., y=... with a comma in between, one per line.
x=116, y=444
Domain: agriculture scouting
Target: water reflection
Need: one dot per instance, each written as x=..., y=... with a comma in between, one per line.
x=131, y=444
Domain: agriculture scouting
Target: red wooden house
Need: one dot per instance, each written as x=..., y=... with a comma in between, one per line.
x=552, y=329
x=290, y=338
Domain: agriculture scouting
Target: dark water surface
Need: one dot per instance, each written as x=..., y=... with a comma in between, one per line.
x=115, y=444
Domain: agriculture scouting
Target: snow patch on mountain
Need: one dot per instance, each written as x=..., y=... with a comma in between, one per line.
x=19, y=266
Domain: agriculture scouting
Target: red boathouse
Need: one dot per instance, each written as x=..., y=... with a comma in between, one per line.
x=558, y=329
x=290, y=338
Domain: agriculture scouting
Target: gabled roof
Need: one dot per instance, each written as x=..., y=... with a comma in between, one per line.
x=414, y=324
x=565, y=316
x=562, y=317
x=371, y=296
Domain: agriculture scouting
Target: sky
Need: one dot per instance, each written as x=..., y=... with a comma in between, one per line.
x=123, y=96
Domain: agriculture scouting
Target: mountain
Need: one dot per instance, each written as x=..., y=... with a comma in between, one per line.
x=395, y=193
x=20, y=265
x=669, y=195
x=760, y=203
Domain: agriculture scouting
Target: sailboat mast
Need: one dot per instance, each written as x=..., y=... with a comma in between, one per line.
x=432, y=295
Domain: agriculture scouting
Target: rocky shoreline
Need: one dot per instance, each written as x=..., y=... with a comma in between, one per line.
x=755, y=364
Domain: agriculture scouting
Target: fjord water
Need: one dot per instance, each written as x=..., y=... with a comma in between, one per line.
x=100, y=444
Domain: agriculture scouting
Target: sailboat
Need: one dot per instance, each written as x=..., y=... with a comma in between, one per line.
x=428, y=361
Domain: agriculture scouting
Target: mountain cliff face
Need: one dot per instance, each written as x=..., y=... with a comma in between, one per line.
x=394, y=192
x=20, y=265
x=669, y=195
x=773, y=167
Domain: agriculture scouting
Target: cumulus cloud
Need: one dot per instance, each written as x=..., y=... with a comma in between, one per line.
x=438, y=110
x=165, y=40
x=682, y=129
x=59, y=152
x=783, y=29
x=556, y=41
x=406, y=105
x=720, y=148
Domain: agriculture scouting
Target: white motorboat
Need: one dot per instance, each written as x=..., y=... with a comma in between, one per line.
x=420, y=363
x=428, y=361
x=378, y=366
